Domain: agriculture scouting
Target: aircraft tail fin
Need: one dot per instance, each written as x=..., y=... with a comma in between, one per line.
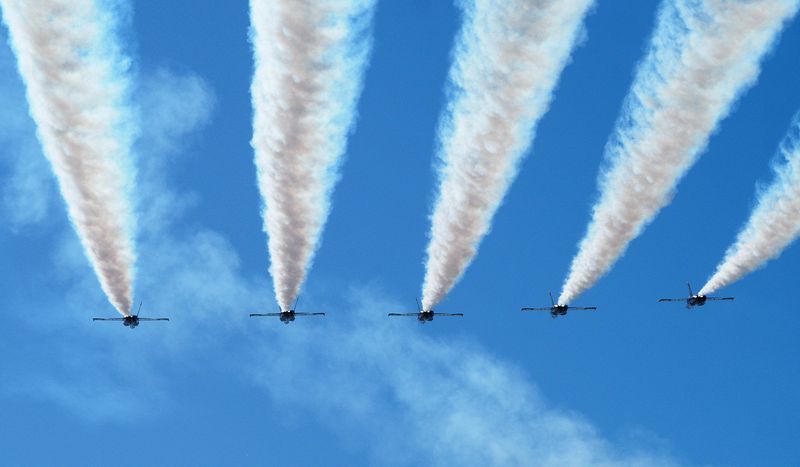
x=691, y=293
x=139, y=310
x=419, y=307
x=553, y=302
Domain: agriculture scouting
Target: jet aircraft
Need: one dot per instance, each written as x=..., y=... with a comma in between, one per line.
x=287, y=316
x=424, y=316
x=693, y=299
x=131, y=320
x=558, y=309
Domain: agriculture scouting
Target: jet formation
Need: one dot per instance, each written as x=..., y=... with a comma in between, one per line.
x=425, y=316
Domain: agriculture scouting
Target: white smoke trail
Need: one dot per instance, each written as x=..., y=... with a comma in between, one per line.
x=703, y=54
x=774, y=223
x=508, y=58
x=310, y=57
x=76, y=86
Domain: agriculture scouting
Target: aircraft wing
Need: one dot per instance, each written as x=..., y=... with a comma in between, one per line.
x=719, y=298
x=582, y=308
x=536, y=309
x=405, y=314
x=153, y=319
x=108, y=319
x=264, y=314
x=448, y=314
x=672, y=299
x=309, y=314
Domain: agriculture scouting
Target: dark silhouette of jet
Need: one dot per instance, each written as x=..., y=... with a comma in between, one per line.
x=693, y=299
x=287, y=316
x=558, y=309
x=131, y=320
x=425, y=316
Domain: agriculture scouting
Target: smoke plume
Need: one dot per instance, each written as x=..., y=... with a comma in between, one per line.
x=77, y=88
x=702, y=56
x=507, y=61
x=774, y=223
x=310, y=57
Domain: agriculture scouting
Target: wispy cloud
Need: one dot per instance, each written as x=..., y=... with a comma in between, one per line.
x=98, y=384
x=199, y=269
x=453, y=403
x=172, y=108
x=450, y=402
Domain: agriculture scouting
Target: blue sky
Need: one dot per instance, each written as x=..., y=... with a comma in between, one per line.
x=637, y=381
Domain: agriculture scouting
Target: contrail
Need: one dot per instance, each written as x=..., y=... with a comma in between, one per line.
x=309, y=61
x=508, y=58
x=702, y=56
x=77, y=88
x=774, y=223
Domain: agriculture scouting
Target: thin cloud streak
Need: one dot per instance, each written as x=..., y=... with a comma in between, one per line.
x=508, y=58
x=773, y=224
x=77, y=88
x=310, y=58
x=453, y=404
x=103, y=371
x=457, y=404
x=702, y=56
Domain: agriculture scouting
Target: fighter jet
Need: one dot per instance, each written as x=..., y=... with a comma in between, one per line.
x=558, y=309
x=424, y=316
x=287, y=316
x=131, y=320
x=693, y=299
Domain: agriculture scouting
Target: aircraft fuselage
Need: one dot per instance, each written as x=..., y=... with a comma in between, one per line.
x=559, y=310
x=425, y=316
x=696, y=300
x=131, y=321
x=287, y=316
